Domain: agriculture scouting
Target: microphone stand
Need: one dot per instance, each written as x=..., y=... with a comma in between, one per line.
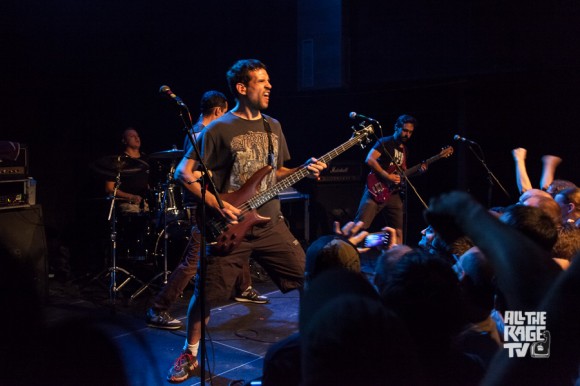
x=205, y=179
x=491, y=178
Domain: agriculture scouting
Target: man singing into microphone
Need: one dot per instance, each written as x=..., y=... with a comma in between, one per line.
x=386, y=155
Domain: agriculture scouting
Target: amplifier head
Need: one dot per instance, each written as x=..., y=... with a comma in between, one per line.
x=15, y=169
x=342, y=172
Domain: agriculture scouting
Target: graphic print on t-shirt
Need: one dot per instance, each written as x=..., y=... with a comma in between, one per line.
x=250, y=155
x=398, y=157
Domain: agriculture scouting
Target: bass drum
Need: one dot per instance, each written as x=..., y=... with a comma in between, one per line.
x=178, y=234
x=133, y=232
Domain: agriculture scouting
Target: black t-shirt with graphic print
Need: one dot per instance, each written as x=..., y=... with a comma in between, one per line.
x=234, y=149
x=399, y=154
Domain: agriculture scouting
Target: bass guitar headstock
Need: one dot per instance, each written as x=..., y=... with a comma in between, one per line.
x=363, y=135
x=447, y=151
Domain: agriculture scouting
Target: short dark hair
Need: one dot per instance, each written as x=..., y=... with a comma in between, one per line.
x=211, y=99
x=421, y=286
x=239, y=72
x=532, y=222
x=405, y=119
x=558, y=185
x=551, y=208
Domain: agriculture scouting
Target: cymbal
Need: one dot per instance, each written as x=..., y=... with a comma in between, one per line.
x=167, y=154
x=113, y=164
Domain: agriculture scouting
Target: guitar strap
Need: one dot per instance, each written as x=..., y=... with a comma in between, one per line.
x=270, y=144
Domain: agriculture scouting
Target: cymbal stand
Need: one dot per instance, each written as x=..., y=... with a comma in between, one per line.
x=165, y=273
x=113, y=269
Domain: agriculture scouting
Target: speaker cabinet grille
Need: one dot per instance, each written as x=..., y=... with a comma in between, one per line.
x=22, y=237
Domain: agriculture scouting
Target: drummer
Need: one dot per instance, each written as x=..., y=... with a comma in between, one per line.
x=134, y=187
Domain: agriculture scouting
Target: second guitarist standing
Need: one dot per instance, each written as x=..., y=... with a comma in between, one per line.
x=383, y=167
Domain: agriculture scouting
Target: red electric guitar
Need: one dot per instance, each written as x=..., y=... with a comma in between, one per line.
x=381, y=190
x=224, y=236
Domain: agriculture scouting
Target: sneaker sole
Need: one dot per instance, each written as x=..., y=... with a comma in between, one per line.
x=244, y=300
x=190, y=373
x=161, y=327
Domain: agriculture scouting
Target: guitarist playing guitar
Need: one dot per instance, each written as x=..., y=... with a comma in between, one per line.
x=235, y=147
x=386, y=155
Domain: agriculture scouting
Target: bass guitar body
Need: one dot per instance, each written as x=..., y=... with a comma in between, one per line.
x=224, y=236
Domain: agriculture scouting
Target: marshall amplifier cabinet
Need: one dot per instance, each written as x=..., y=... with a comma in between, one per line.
x=14, y=169
x=341, y=172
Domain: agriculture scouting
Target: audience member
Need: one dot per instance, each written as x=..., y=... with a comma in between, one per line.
x=349, y=337
x=476, y=279
x=533, y=222
x=547, y=204
x=558, y=185
x=530, y=282
x=569, y=201
x=282, y=361
x=385, y=263
x=567, y=246
x=550, y=163
x=435, y=245
x=424, y=292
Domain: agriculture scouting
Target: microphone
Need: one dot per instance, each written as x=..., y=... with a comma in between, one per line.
x=463, y=139
x=165, y=90
x=354, y=115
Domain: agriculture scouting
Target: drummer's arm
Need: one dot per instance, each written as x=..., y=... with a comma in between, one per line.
x=110, y=189
x=187, y=173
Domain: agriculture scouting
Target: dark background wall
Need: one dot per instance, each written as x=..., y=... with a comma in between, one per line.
x=76, y=73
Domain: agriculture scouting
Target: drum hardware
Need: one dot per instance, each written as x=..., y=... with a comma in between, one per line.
x=120, y=166
x=167, y=203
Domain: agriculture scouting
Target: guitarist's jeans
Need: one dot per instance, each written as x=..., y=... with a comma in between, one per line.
x=392, y=210
x=182, y=274
x=273, y=247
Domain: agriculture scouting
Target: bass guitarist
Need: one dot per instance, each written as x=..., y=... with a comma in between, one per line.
x=234, y=147
x=387, y=159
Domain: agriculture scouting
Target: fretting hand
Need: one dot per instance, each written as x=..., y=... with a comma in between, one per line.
x=314, y=167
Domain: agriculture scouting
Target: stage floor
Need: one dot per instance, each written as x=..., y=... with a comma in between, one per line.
x=239, y=334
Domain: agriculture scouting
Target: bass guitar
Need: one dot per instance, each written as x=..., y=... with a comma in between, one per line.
x=382, y=190
x=224, y=237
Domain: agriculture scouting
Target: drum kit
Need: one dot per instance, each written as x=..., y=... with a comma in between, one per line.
x=157, y=231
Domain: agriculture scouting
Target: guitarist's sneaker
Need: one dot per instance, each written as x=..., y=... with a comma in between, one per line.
x=183, y=367
x=252, y=296
x=163, y=320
